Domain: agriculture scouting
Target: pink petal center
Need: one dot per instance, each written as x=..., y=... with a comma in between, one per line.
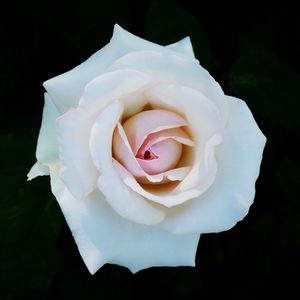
x=148, y=155
x=154, y=143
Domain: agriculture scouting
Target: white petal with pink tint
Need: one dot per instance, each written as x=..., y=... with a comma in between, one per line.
x=205, y=123
x=123, y=153
x=122, y=199
x=176, y=134
x=138, y=127
x=165, y=197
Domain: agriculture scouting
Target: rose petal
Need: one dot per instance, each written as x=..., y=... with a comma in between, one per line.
x=205, y=124
x=79, y=172
x=183, y=46
x=176, y=134
x=229, y=198
x=138, y=127
x=167, y=198
x=133, y=102
x=123, y=200
x=37, y=170
x=47, y=147
x=103, y=237
x=66, y=89
x=110, y=86
x=164, y=67
x=168, y=154
x=126, y=157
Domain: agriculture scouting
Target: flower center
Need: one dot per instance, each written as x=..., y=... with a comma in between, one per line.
x=149, y=155
x=150, y=143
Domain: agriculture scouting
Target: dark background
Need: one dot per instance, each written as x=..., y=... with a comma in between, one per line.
x=251, y=49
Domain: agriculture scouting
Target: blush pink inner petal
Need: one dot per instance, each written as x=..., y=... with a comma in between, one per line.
x=138, y=127
x=124, y=155
x=177, y=134
x=168, y=154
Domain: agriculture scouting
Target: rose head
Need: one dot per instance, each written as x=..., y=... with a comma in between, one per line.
x=145, y=153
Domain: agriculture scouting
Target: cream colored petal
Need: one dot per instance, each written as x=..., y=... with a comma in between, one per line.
x=168, y=198
x=229, y=198
x=123, y=200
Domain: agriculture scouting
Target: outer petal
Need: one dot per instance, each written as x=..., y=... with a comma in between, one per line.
x=229, y=199
x=183, y=46
x=78, y=170
x=37, y=170
x=102, y=236
x=109, y=86
x=123, y=200
x=47, y=147
x=164, y=67
x=67, y=88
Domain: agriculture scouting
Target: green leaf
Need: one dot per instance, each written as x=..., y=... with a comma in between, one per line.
x=167, y=23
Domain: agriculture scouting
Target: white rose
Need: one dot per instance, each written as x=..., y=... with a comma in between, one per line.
x=145, y=153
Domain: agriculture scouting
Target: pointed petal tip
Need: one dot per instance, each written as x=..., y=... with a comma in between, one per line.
x=37, y=170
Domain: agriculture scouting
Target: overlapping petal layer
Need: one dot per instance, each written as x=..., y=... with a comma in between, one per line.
x=139, y=193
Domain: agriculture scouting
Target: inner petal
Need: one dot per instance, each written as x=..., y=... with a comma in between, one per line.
x=124, y=155
x=161, y=157
x=138, y=127
x=148, y=155
x=177, y=134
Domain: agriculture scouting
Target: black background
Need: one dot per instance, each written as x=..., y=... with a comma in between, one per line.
x=251, y=49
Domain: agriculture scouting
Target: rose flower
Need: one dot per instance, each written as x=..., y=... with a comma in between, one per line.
x=145, y=153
